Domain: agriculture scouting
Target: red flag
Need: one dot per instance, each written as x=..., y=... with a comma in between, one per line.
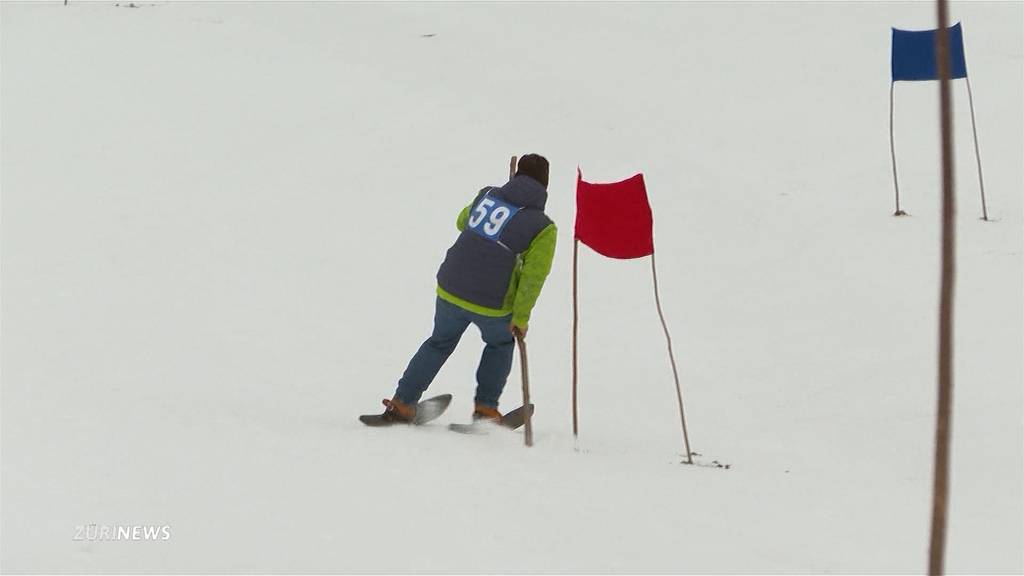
x=615, y=219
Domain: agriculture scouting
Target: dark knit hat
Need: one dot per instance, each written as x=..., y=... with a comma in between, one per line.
x=535, y=166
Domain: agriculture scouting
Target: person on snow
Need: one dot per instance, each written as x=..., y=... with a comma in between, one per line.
x=490, y=277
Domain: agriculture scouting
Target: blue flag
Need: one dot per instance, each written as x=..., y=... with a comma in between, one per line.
x=913, y=54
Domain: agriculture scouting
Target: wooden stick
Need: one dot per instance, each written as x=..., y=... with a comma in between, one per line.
x=943, y=422
x=671, y=357
x=521, y=340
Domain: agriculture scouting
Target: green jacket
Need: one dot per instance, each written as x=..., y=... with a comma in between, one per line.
x=531, y=270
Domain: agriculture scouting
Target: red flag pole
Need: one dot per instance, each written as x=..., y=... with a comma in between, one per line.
x=575, y=335
x=671, y=357
x=575, y=322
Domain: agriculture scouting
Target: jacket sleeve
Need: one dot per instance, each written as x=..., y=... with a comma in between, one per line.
x=463, y=218
x=536, y=266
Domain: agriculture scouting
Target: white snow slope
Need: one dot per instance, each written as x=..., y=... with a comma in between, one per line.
x=221, y=224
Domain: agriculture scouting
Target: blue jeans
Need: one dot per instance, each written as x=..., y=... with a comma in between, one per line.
x=450, y=321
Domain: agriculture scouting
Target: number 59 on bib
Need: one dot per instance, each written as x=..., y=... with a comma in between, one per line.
x=490, y=217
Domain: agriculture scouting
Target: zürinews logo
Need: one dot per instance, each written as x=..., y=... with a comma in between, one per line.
x=121, y=533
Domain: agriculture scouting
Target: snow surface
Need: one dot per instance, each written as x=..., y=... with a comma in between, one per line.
x=221, y=224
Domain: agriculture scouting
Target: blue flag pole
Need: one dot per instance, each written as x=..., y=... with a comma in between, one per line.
x=977, y=152
x=892, y=146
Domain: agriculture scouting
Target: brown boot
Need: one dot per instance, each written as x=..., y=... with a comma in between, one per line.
x=481, y=412
x=398, y=411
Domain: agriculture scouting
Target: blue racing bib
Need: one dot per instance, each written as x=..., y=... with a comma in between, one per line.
x=489, y=217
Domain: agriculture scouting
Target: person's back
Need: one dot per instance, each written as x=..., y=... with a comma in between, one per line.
x=491, y=277
x=498, y=228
